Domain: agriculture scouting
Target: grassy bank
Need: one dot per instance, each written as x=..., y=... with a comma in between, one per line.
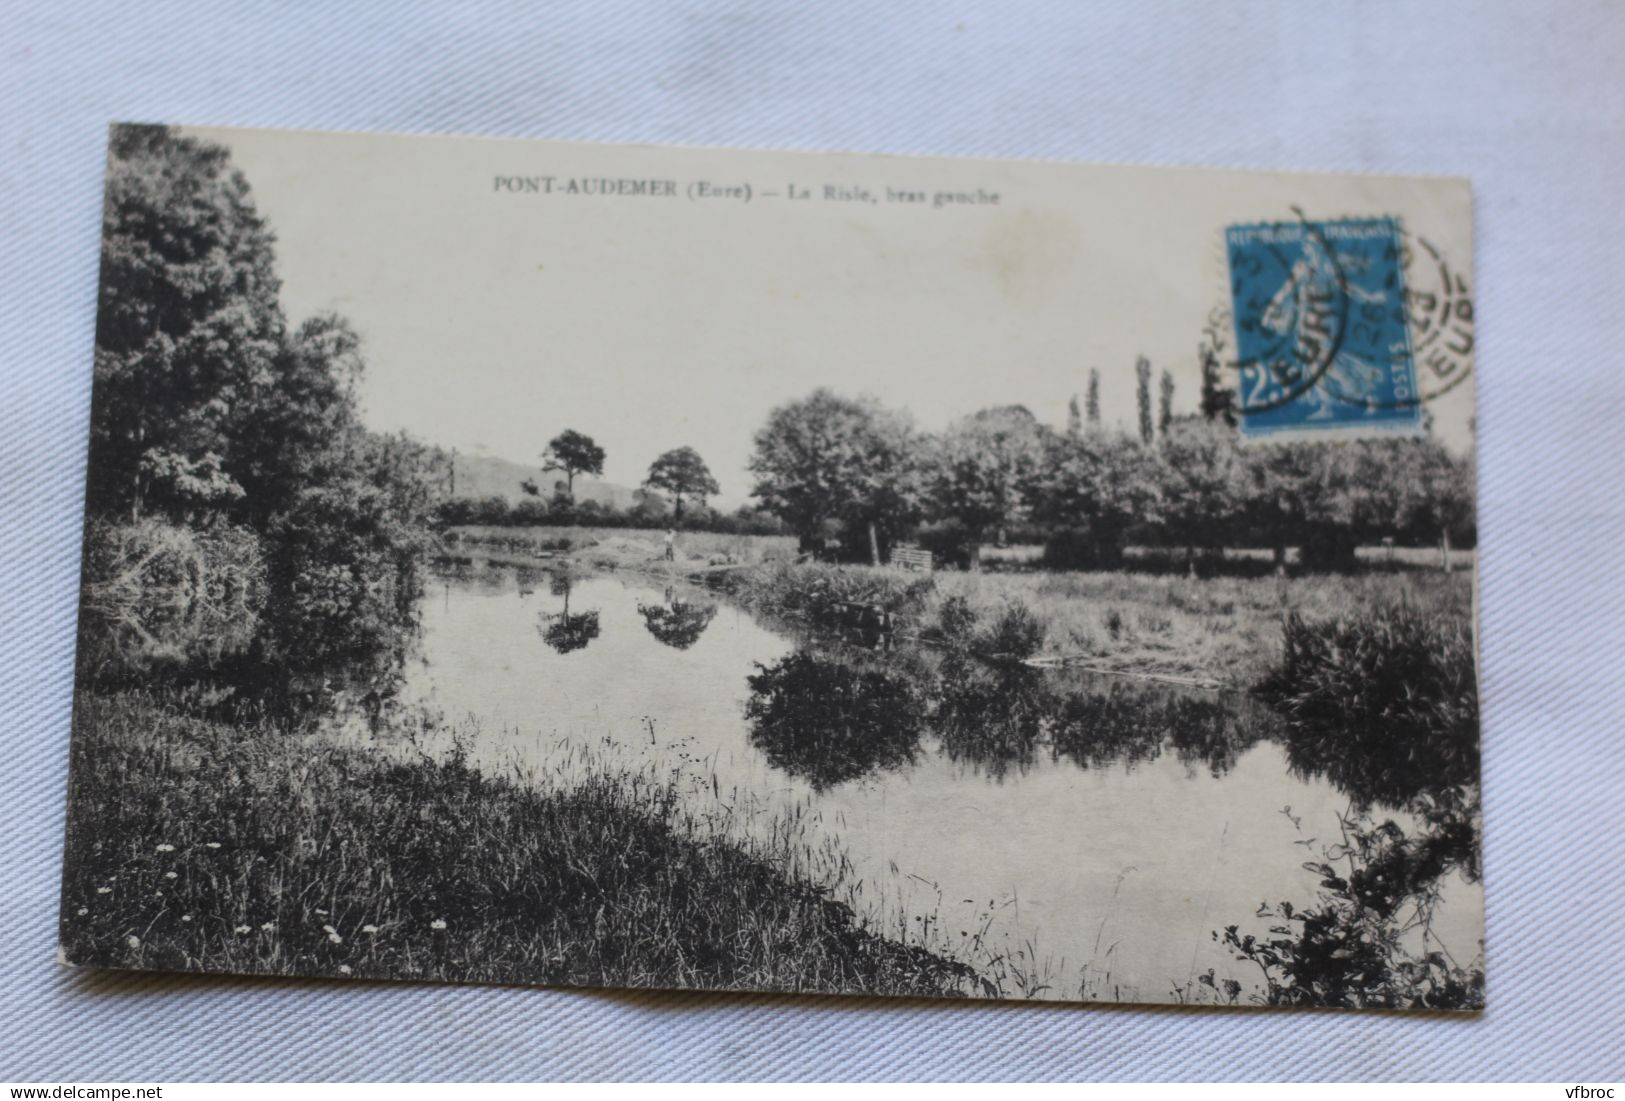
x=195, y=845
x=1227, y=629
x=624, y=548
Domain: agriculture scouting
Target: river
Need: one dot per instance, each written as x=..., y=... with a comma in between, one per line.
x=1095, y=832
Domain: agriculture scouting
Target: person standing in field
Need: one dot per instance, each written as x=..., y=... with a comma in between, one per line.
x=671, y=544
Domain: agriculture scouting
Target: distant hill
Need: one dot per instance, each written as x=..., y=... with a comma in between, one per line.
x=486, y=476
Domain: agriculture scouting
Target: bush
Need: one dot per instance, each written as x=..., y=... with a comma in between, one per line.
x=813, y=591
x=956, y=620
x=1347, y=950
x=1016, y=633
x=1383, y=702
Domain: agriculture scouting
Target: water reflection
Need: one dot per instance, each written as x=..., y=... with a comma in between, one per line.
x=829, y=721
x=678, y=622
x=990, y=718
x=1379, y=764
x=836, y=717
x=1128, y=723
x=563, y=631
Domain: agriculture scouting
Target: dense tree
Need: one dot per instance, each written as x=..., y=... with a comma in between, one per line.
x=1165, y=407
x=981, y=468
x=1142, y=398
x=1202, y=478
x=345, y=553
x=573, y=453
x=223, y=438
x=1435, y=501
x=1074, y=417
x=827, y=459
x=1090, y=491
x=1323, y=497
x=1092, y=409
x=188, y=326
x=1218, y=400
x=301, y=428
x=683, y=474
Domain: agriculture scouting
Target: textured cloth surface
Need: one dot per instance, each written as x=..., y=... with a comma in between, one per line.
x=1528, y=100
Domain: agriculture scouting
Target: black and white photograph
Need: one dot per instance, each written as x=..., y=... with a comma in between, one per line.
x=657, y=567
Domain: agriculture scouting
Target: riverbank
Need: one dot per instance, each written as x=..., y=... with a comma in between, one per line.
x=1218, y=630
x=1225, y=630
x=205, y=846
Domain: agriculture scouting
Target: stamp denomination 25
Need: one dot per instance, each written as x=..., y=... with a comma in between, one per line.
x=1322, y=337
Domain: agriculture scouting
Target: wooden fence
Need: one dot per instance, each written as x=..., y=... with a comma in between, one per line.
x=911, y=556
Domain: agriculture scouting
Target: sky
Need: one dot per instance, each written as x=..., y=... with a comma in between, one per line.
x=498, y=307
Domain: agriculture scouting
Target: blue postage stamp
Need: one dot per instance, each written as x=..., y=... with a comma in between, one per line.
x=1322, y=337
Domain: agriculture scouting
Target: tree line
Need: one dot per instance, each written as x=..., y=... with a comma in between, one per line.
x=853, y=477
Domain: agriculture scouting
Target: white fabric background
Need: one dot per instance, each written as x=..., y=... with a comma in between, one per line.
x=1528, y=100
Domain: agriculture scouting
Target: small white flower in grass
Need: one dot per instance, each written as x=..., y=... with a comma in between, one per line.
x=335, y=938
x=166, y=848
x=171, y=875
x=437, y=923
x=369, y=928
x=244, y=929
x=186, y=917
x=104, y=890
x=83, y=910
x=133, y=941
x=344, y=969
x=211, y=845
x=268, y=927
x=321, y=911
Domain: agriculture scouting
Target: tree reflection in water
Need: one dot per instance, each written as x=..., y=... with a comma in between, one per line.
x=836, y=718
x=1129, y=723
x=828, y=721
x=677, y=623
x=993, y=718
x=563, y=631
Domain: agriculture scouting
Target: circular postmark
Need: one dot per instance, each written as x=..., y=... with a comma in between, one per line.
x=1436, y=309
x=1439, y=307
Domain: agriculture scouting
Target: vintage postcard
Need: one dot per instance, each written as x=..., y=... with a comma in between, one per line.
x=589, y=565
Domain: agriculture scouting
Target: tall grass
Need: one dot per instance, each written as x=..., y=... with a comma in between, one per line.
x=813, y=591
x=199, y=846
